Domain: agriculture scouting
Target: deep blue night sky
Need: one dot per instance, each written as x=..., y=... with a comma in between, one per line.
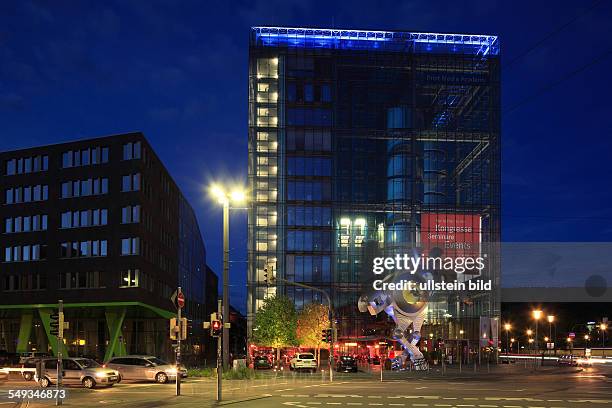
x=178, y=72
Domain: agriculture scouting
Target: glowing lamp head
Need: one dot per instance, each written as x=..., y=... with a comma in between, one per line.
x=507, y=326
x=238, y=196
x=551, y=318
x=537, y=314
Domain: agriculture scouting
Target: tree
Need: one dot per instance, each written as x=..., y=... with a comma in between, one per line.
x=312, y=320
x=276, y=324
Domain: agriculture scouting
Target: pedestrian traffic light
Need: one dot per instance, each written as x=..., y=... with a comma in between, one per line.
x=327, y=336
x=57, y=324
x=216, y=328
x=266, y=281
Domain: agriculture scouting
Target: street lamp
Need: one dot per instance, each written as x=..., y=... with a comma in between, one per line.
x=551, y=320
x=529, y=333
x=603, y=327
x=507, y=327
x=225, y=197
x=537, y=314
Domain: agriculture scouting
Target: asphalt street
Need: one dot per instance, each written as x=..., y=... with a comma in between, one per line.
x=496, y=387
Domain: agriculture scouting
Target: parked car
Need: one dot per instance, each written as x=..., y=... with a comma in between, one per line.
x=346, y=364
x=567, y=360
x=82, y=371
x=149, y=368
x=262, y=363
x=303, y=361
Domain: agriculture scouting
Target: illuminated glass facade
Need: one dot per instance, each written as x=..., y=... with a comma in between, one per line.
x=357, y=141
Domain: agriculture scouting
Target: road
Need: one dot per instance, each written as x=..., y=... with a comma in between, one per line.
x=502, y=387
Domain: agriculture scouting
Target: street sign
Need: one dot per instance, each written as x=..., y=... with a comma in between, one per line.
x=180, y=300
x=572, y=335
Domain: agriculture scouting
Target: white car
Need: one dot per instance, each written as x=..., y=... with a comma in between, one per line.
x=303, y=361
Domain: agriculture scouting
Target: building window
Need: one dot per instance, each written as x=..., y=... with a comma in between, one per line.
x=130, y=214
x=27, y=223
x=25, y=253
x=31, y=164
x=131, y=151
x=23, y=282
x=129, y=278
x=79, y=280
x=83, y=188
x=130, y=182
x=26, y=194
x=85, y=157
x=84, y=218
x=130, y=246
x=84, y=249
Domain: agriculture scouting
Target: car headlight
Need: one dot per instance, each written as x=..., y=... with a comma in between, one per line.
x=101, y=374
x=171, y=371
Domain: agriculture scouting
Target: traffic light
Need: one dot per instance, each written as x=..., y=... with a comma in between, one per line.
x=57, y=324
x=266, y=280
x=216, y=326
x=183, y=328
x=174, y=329
x=326, y=336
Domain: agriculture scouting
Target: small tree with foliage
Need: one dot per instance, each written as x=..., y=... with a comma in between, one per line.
x=312, y=320
x=276, y=324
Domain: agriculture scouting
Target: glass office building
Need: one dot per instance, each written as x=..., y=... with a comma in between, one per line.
x=365, y=143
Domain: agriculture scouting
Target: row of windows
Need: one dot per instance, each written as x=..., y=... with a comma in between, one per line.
x=308, y=268
x=76, y=280
x=309, y=117
x=79, y=280
x=85, y=157
x=84, y=188
x=26, y=194
x=308, y=241
x=84, y=249
x=85, y=218
x=308, y=92
x=130, y=214
x=309, y=190
x=27, y=223
x=130, y=246
x=25, y=253
x=23, y=282
x=131, y=151
x=130, y=182
x=309, y=140
x=27, y=165
x=309, y=216
x=73, y=249
x=308, y=166
x=135, y=278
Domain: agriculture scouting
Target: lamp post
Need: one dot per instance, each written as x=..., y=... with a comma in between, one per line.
x=537, y=314
x=551, y=319
x=603, y=327
x=224, y=198
x=507, y=327
x=529, y=333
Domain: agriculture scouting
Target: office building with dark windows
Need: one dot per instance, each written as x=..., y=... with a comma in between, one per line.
x=373, y=143
x=101, y=225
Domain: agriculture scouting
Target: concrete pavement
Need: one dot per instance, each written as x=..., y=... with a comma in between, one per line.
x=500, y=387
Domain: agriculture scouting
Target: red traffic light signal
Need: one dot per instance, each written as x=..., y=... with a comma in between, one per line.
x=216, y=328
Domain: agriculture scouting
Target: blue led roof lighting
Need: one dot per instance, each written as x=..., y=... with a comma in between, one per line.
x=393, y=41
